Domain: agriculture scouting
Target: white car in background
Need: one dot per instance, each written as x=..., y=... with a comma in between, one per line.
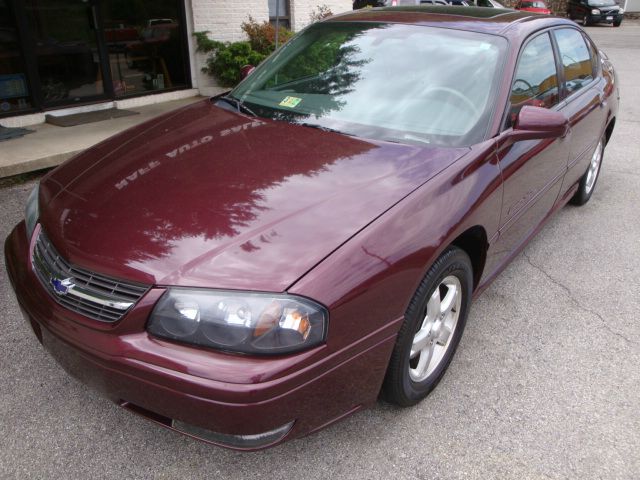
x=489, y=3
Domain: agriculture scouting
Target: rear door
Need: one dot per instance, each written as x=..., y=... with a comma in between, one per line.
x=583, y=89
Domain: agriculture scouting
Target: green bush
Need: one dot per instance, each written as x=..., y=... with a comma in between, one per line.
x=226, y=59
x=204, y=43
x=262, y=36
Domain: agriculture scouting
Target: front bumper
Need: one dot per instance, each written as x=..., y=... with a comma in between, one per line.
x=175, y=385
x=605, y=18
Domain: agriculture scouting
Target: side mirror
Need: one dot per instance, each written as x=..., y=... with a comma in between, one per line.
x=534, y=123
x=246, y=71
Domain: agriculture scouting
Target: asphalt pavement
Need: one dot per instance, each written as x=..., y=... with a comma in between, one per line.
x=545, y=384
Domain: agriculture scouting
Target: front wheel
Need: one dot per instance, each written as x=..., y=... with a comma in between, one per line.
x=617, y=23
x=585, y=21
x=432, y=328
x=590, y=177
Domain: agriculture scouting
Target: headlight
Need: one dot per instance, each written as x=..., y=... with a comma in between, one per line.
x=252, y=323
x=595, y=11
x=31, y=211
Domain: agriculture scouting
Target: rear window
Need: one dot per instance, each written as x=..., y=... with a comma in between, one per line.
x=576, y=59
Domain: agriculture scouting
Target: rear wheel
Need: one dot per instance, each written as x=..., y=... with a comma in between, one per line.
x=585, y=21
x=431, y=332
x=590, y=177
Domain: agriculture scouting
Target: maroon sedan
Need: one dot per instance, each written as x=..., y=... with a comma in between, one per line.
x=256, y=266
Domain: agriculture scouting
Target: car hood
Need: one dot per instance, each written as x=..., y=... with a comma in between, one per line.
x=207, y=197
x=609, y=9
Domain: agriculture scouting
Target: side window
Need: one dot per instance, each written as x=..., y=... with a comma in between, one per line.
x=536, y=80
x=576, y=59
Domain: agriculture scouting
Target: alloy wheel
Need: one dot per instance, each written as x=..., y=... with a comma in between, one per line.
x=433, y=338
x=594, y=168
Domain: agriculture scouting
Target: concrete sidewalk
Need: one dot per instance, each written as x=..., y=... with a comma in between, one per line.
x=50, y=145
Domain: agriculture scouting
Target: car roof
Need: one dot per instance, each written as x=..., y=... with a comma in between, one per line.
x=501, y=21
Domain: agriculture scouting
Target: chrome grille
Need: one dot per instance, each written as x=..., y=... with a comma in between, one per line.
x=90, y=294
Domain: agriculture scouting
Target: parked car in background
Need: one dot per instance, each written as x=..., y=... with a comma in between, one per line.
x=396, y=3
x=489, y=4
x=533, y=6
x=589, y=12
x=358, y=4
x=445, y=3
x=258, y=265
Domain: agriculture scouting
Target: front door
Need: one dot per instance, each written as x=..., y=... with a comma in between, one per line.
x=532, y=170
x=65, y=45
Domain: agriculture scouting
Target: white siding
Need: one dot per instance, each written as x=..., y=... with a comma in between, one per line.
x=631, y=5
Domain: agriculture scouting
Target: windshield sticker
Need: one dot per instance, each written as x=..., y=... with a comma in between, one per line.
x=290, y=102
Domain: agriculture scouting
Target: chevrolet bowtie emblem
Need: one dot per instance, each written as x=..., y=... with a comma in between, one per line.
x=61, y=286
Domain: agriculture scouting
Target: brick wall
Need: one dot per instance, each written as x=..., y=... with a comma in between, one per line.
x=222, y=18
x=301, y=10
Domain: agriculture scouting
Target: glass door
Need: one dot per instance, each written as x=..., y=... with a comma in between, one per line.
x=14, y=87
x=67, y=50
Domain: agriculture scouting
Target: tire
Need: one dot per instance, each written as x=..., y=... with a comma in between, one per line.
x=585, y=21
x=434, y=333
x=589, y=179
x=617, y=24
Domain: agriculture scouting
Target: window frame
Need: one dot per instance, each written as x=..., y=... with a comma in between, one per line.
x=504, y=125
x=566, y=96
x=285, y=20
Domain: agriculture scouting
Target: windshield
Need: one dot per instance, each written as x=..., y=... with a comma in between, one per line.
x=401, y=83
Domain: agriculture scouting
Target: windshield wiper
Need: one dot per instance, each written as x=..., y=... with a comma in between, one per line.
x=324, y=129
x=240, y=106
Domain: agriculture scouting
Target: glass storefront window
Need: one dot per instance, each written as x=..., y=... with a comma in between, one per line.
x=56, y=53
x=14, y=92
x=145, y=46
x=66, y=49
